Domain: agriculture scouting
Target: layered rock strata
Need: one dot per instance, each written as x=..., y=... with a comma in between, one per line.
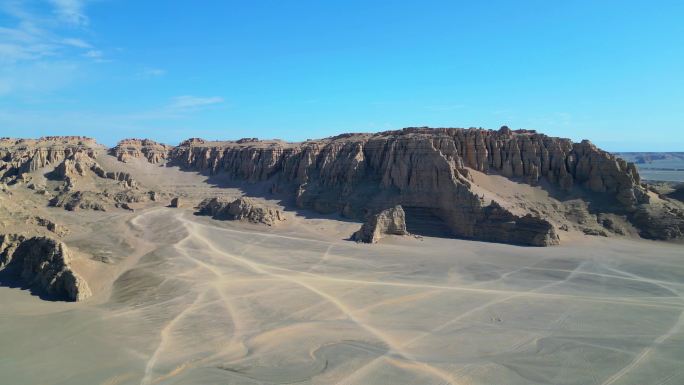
x=43, y=264
x=21, y=156
x=390, y=221
x=150, y=150
x=425, y=168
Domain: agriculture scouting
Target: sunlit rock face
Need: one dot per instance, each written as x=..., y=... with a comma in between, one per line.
x=43, y=264
x=359, y=175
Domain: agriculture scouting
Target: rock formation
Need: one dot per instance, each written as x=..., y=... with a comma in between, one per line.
x=43, y=264
x=21, y=156
x=677, y=193
x=389, y=221
x=245, y=209
x=424, y=168
x=80, y=200
x=176, y=202
x=659, y=221
x=125, y=178
x=141, y=148
x=58, y=229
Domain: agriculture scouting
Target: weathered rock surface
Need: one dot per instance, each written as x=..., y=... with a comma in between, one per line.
x=141, y=148
x=425, y=168
x=125, y=178
x=389, y=221
x=80, y=200
x=245, y=209
x=421, y=169
x=43, y=264
x=677, y=193
x=659, y=221
x=20, y=156
x=56, y=228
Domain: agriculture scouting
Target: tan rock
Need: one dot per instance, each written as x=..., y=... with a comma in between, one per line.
x=422, y=168
x=147, y=149
x=389, y=221
x=43, y=264
x=244, y=209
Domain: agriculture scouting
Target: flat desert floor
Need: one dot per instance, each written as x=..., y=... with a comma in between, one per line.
x=198, y=301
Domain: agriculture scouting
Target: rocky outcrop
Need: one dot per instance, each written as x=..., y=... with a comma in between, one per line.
x=388, y=221
x=176, y=202
x=244, y=209
x=659, y=221
x=677, y=193
x=497, y=224
x=77, y=165
x=125, y=178
x=21, y=156
x=80, y=200
x=516, y=154
x=418, y=167
x=43, y=264
x=147, y=149
x=56, y=228
x=421, y=169
x=8, y=245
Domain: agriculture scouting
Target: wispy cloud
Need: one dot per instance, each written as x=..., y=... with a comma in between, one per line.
x=76, y=43
x=188, y=102
x=94, y=54
x=34, y=35
x=32, y=121
x=147, y=73
x=33, y=45
x=71, y=11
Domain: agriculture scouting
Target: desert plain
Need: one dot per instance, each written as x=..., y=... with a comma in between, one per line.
x=180, y=298
x=204, y=302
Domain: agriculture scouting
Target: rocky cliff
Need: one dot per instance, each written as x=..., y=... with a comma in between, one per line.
x=42, y=264
x=427, y=171
x=389, y=221
x=360, y=174
x=21, y=156
x=348, y=158
x=150, y=150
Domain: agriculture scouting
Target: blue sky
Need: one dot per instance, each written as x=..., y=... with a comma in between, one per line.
x=609, y=71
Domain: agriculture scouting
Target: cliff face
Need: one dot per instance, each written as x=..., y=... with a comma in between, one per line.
x=20, y=156
x=359, y=174
x=347, y=158
x=141, y=148
x=44, y=264
x=427, y=169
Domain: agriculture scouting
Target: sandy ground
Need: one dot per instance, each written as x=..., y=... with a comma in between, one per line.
x=196, y=301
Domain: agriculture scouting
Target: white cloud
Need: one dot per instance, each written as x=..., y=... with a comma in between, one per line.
x=71, y=11
x=94, y=54
x=151, y=73
x=34, y=36
x=189, y=102
x=32, y=47
x=78, y=43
